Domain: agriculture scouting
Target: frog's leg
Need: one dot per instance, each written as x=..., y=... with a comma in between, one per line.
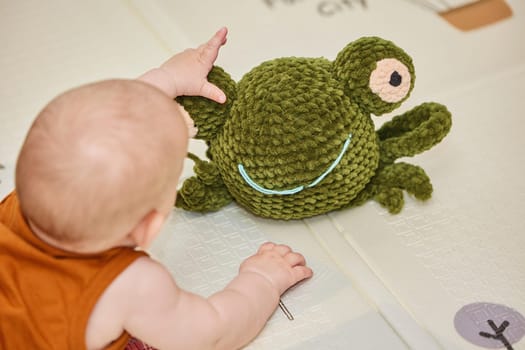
x=205, y=191
x=209, y=116
x=389, y=197
x=387, y=186
x=413, y=132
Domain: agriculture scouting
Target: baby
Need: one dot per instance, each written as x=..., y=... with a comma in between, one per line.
x=95, y=180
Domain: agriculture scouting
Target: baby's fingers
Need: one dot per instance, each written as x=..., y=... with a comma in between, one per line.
x=266, y=246
x=280, y=249
x=295, y=259
x=299, y=269
x=210, y=50
x=218, y=39
x=213, y=92
x=301, y=272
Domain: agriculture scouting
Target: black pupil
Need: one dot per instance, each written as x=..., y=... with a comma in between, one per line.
x=395, y=79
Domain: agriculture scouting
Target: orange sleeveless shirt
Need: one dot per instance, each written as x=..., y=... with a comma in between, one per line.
x=47, y=294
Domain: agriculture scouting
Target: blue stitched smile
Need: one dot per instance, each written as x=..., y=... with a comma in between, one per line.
x=294, y=190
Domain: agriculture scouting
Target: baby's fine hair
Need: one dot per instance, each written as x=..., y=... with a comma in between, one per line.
x=97, y=158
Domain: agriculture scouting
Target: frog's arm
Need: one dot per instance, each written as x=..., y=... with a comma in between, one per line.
x=413, y=132
x=209, y=116
x=205, y=191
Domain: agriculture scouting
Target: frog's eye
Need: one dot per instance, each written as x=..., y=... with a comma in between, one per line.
x=390, y=80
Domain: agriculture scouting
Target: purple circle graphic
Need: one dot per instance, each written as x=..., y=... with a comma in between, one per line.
x=489, y=325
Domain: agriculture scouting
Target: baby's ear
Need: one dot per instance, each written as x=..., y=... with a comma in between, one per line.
x=192, y=130
x=147, y=229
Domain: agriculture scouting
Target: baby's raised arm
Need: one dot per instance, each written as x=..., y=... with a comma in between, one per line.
x=186, y=73
x=167, y=317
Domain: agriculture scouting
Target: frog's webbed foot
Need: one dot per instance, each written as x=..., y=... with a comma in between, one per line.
x=209, y=116
x=205, y=191
x=413, y=132
x=393, y=179
x=390, y=198
x=387, y=186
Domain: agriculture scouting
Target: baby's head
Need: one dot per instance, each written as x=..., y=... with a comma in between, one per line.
x=99, y=163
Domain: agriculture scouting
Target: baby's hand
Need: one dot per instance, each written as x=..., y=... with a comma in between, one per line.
x=278, y=264
x=190, y=69
x=186, y=73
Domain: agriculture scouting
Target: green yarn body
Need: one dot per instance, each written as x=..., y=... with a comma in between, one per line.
x=296, y=137
x=290, y=127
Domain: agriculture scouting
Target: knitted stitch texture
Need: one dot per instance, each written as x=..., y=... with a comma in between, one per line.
x=296, y=138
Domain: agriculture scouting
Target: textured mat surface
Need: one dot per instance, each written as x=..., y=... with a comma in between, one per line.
x=204, y=253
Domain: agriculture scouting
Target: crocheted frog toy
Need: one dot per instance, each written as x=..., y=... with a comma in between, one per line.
x=296, y=138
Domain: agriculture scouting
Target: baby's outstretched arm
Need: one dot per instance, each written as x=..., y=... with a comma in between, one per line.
x=186, y=73
x=167, y=317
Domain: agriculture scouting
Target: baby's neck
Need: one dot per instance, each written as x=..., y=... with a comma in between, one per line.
x=42, y=235
x=80, y=247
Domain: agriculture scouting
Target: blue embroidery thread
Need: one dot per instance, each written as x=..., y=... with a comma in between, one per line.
x=294, y=190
